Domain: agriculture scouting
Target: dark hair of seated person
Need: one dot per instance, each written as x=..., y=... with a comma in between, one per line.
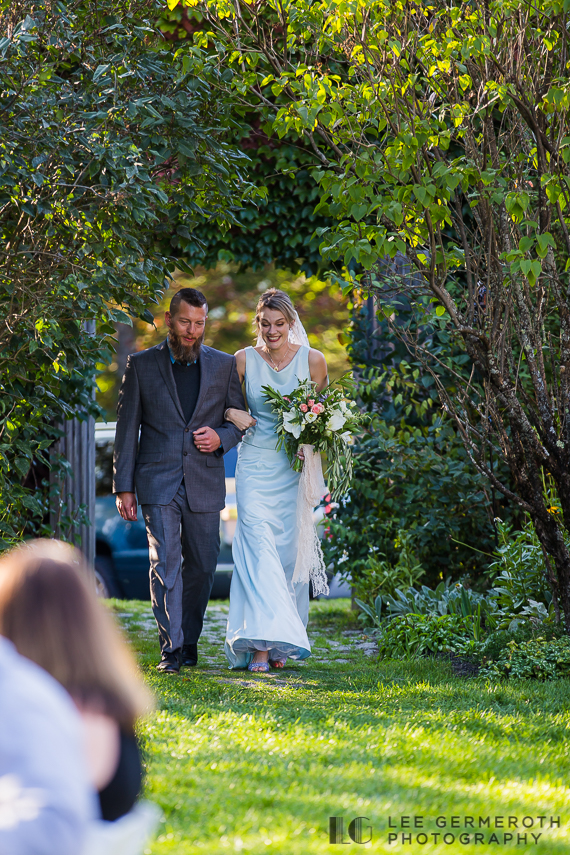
x=50, y=611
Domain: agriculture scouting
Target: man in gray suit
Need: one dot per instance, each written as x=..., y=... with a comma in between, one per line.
x=177, y=393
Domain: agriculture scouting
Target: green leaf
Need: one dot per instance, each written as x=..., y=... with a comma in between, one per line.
x=22, y=465
x=359, y=211
x=100, y=70
x=121, y=317
x=544, y=241
x=534, y=273
x=420, y=193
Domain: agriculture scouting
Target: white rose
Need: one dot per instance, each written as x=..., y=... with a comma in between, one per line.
x=336, y=421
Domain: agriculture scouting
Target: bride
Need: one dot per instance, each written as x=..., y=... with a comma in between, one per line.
x=268, y=611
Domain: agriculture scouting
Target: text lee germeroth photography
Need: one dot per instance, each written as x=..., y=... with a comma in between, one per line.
x=458, y=831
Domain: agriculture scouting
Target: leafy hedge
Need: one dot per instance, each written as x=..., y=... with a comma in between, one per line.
x=108, y=156
x=510, y=631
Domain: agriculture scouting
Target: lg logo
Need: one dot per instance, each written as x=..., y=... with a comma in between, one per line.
x=357, y=831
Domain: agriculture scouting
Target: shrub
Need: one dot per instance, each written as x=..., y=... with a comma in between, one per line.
x=111, y=149
x=446, y=599
x=419, y=482
x=521, y=578
x=380, y=576
x=412, y=635
x=491, y=648
x=538, y=658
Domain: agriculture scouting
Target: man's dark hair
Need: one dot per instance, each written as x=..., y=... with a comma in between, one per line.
x=191, y=296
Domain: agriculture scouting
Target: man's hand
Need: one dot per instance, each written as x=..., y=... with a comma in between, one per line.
x=206, y=440
x=127, y=505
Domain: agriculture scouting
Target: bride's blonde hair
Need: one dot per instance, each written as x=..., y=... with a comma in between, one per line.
x=277, y=300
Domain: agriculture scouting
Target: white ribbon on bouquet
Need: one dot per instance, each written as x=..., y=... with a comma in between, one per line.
x=310, y=562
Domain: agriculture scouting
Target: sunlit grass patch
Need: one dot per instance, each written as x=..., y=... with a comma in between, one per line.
x=258, y=763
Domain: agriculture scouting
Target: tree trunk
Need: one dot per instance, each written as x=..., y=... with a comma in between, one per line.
x=552, y=542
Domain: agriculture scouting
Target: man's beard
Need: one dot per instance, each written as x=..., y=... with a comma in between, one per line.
x=183, y=352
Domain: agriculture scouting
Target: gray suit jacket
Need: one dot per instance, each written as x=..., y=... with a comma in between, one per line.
x=166, y=453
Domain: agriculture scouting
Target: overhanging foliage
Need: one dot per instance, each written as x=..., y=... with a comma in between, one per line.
x=110, y=150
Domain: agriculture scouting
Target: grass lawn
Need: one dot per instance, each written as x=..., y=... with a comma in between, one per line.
x=254, y=763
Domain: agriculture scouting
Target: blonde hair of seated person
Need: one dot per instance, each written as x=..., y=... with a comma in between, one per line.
x=51, y=613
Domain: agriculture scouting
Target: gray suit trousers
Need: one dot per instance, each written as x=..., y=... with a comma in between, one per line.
x=183, y=551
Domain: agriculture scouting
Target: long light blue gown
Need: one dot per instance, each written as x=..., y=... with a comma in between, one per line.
x=267, y=611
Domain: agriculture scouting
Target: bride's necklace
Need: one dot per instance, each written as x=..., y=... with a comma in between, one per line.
x=276, y=366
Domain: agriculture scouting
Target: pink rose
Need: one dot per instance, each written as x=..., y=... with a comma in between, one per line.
x=303, y=408
x=310, y=402
x=316, y=409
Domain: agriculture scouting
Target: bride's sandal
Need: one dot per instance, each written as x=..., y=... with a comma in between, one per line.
x=258, y=667
x=277, y=663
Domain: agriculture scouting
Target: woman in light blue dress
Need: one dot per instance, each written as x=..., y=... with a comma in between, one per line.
x=268, y=612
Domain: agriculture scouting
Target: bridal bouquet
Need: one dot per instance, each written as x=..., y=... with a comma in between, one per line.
x=326, y=421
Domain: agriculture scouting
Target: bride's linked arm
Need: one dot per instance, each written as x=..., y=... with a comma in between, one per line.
x=240, y=418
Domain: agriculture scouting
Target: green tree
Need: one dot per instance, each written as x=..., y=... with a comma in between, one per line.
x=279, y=229
x=443, y=132
x=110, y=150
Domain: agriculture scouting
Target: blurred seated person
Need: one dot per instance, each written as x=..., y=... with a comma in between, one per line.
x=49, y=610
x=46, y=798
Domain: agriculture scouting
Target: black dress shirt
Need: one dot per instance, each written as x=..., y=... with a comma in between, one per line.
x=187, y=379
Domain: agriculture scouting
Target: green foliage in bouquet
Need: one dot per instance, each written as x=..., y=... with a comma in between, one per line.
x=326, y=420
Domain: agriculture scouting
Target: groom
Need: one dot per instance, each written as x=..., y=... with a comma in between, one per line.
x=177, y=393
